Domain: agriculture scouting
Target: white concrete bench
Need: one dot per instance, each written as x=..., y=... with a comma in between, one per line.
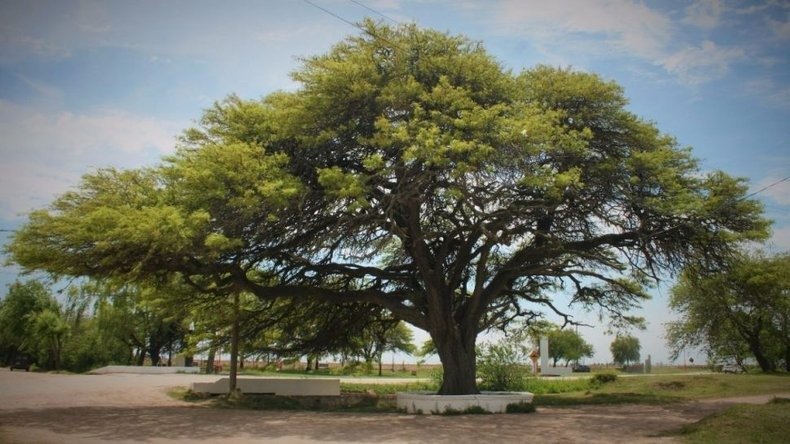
x=276, y=386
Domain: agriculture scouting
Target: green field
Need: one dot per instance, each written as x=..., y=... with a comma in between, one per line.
x=743, y=423
x=664, y=389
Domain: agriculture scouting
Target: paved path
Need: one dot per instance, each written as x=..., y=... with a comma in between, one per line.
x=50, y=408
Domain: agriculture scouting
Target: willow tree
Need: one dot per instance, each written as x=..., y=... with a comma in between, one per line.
x=411, y=171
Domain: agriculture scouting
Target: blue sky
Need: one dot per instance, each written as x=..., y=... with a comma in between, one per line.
x=89, y=84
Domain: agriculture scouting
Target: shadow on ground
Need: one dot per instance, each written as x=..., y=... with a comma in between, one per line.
x=588, y=423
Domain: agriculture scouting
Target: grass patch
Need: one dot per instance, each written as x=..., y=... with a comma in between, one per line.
x=387, y=389
x=666, y=389
x=742, y=423
x=362, y=397
x=590, y=398
x=542, y=386
x=185, y=394
x=355, y=371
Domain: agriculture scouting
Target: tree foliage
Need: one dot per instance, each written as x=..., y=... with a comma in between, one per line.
x=22, y=302
x=383, y=333
x=567, y=345
x=410, y=171
x=625, y=350
x=500, y=366
x=740, y=310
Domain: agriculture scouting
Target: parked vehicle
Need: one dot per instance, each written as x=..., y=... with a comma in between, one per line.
x=22, y=362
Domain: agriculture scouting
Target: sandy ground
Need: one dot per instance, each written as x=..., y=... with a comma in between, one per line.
x=49, y=408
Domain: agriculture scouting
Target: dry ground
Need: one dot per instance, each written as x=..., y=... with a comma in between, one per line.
x=51, y=408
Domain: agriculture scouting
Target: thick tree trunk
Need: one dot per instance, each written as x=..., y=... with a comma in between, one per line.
x=458, y=357
x=756, y=347
x=765, y=363
x=153, y=351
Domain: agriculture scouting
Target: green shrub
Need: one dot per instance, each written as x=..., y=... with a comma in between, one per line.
x=437, y=376
x=471, y=410
x=543, y=386
x=602, y=378
x=499, y=369
x=520, y=407
x=352, y=368
x=476, y=410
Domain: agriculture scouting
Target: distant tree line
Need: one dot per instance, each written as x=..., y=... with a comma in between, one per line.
x=100, y=323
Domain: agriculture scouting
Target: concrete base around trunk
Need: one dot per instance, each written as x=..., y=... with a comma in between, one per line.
x=275, y=386
x=494, y=402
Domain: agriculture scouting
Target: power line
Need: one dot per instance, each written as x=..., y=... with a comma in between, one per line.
x=375, y=12
x=334, y=15
x=357, y=25
x=765, y=188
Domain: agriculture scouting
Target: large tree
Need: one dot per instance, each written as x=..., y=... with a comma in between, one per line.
x=411, y=171
x=738, y=310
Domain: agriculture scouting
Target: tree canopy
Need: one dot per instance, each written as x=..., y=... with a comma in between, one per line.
x=736, y=311
x=411, y=171
x=567, y=345
x=625, y=349
x=24, y=305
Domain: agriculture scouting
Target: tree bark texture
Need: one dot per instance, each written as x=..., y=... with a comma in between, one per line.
x=457, y=353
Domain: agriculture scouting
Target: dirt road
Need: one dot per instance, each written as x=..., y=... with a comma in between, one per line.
x=48, y=408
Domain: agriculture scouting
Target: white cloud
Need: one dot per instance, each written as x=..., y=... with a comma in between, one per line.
x=704, y=13
x=596, y=29
x=44, y=91
x=780, y=28
x=626, y=26
x=769, y=92
x=26, y=185
x=45, y=153
x=16, y=46
x=699, y=64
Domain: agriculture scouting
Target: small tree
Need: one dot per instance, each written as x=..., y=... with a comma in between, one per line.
x=567, y=345
x=48, y=333
x=625, y=350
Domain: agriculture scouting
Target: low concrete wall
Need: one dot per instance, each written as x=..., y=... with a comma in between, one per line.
x=276, y=386
x=494, y=402
x=556, y=371
x=143, y=370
